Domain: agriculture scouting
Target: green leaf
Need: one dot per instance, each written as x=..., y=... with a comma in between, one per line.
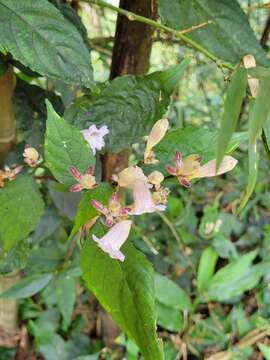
x=27, y=287
x=228, y=36
x=234, y=98
x=259, y=72
x=253, y=161
x=235, y=278
x=38, y=35
x=170, y=294
x=86, y=211
x=20, y=210
x=126, y=291
x=259, y=113
x=128, y=105
x=206, y=268
x=169, y=318
x=265, y=350
x=66, y=297
x=65, y=146
x=15, y=259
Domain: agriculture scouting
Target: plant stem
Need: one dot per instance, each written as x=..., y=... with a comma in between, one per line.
x=180, y=34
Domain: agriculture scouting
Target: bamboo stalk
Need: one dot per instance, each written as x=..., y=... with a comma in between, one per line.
x=8, y=307
x=7, y=118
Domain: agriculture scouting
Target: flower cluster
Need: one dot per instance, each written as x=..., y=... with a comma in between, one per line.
x=148, y=192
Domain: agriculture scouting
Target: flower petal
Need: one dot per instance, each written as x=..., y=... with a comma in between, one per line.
x=75, y=173
x=172, y=170
x=130, y=175
x=104, y=130
x=76, y=188
x=112, y=241
x=143, y=202
x=209, y=169
x=99, y=207
x=157, y=133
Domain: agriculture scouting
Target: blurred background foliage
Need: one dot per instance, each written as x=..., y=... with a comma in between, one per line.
x=197, y=234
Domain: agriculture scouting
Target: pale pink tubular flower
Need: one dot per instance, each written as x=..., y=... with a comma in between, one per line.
x=134, y=178
x=94, y=137
x=85, y=181
x=190, y=168
x=111, y=242
x=143, y=202
x=113, y=212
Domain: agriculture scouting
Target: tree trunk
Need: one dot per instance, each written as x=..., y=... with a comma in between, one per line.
x=131, y=55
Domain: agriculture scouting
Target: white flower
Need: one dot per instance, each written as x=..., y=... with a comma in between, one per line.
x=94, y=137
x=111, y=242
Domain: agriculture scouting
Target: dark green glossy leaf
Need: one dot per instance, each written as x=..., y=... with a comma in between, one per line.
x=206, y=268
x=129, y=106
x=39, y=36
x=20, y=210
x=235, y=95
x=126, y=291
x=228, y=36
x=27, y=287
x=65, y=147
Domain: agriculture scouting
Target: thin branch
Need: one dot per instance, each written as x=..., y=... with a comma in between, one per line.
x=258, y=7
x=179, y=34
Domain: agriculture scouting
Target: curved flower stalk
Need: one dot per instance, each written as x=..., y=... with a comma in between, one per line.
x=9, y=174
x=114, y=212
x=190, y=168
x=85, y=181
x=94, y=137
x=111, y=242
x=31, y=156
x=156, y=135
